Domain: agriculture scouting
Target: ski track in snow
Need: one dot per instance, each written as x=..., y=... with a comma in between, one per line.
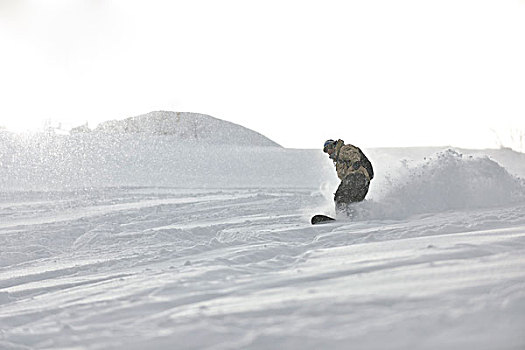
x=165, y=268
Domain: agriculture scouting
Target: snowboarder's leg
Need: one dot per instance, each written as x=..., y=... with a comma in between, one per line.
x=353, y=188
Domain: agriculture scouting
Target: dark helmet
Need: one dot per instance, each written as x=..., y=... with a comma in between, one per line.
x=328, y=144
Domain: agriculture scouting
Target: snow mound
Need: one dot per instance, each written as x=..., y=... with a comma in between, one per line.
x=446, y=181
x=190, y=127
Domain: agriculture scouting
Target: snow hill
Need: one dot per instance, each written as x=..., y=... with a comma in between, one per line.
x=183, y=126
x=134, y=241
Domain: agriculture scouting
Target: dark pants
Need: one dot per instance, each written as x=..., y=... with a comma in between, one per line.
x=353, y=188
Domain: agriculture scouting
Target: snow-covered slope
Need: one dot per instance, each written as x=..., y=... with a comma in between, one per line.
x=134, y=243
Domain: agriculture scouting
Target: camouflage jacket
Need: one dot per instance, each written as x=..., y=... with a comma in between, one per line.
x=350, y=159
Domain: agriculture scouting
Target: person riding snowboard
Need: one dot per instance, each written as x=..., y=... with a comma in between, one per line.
x=353, y=169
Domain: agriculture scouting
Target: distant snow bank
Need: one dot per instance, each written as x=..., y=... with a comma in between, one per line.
x=184, y=127
x=408, y=181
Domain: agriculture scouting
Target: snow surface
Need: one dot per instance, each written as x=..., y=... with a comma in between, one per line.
x=150, y=243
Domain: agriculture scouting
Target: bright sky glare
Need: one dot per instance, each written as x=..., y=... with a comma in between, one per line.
x=375, y=73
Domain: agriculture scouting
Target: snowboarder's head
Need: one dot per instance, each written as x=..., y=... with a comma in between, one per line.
x=329, y=146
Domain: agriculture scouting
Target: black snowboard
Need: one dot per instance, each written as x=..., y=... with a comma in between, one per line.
x=321, y=219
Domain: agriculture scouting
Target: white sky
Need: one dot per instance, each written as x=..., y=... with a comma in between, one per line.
x=375, y=73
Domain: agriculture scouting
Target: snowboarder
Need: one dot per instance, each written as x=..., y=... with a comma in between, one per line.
x=353, y=169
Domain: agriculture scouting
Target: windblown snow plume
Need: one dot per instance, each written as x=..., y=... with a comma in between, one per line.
x=91, y=160
x=444, y=182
